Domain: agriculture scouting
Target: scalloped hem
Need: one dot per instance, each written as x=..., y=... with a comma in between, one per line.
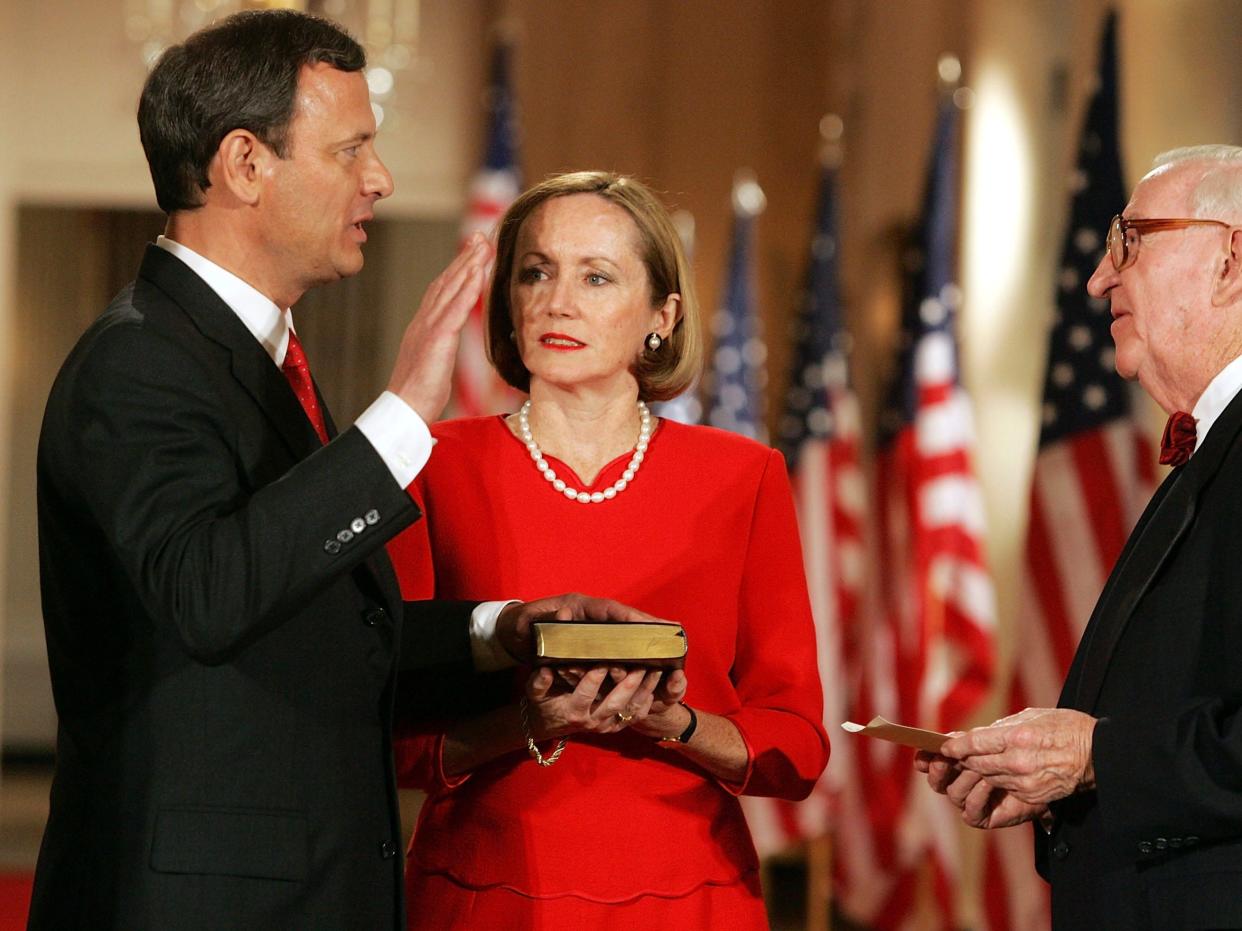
x=745, y=877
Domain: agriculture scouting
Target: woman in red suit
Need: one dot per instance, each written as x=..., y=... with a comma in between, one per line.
x=623, y=812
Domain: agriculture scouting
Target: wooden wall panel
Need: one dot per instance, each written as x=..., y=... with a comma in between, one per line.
x=683, y=95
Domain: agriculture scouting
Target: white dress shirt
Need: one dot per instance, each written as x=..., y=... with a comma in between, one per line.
x=1215, y=398
x=396, y=431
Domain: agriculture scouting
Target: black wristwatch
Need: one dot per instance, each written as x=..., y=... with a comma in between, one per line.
x=684, y=736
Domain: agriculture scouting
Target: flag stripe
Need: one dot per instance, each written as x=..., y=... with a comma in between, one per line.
x=931, y=623
x=1096, y=471
x=820, y=439
x=1093, y=473
x=477, y=388
x=1045, y=554
x=1045, y=626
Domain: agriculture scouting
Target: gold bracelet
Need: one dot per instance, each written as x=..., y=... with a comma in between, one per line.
x=684, y=736
x=530, y=741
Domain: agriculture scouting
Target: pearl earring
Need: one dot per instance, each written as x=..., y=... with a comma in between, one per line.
x=654, y=341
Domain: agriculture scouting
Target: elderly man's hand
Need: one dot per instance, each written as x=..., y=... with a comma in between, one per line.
x=1036, y=756
x=982, y=805
x=513, y=624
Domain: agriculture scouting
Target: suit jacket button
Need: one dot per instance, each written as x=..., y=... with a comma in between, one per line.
x=1060, y=850
x=357, y=525
x=387, y=850
x=1145, y=846
x=1175, y=842
x=1191, y=840
x=345, y=536
x=373, y=616
x=331, y=547
x=371, y=517
x=1162, y=843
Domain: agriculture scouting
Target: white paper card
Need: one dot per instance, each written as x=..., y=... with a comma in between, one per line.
x=899, y=734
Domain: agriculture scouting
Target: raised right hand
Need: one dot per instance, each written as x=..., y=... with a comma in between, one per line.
x=423, y=371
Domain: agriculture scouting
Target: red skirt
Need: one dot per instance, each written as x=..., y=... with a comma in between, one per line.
x=437, y=903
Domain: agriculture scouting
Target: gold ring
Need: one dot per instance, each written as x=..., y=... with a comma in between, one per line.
x=624, y=717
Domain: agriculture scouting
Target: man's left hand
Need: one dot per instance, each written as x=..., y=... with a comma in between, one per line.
x=513, y=624
x=1036, y=756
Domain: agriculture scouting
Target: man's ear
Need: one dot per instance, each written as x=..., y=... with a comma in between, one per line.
x=239, y=165
x=1227, y=287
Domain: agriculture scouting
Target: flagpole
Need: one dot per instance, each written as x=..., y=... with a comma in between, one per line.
x=832, y=146
x=735, y=399
x=949, y=73
x=819, y=849
x=748, y=197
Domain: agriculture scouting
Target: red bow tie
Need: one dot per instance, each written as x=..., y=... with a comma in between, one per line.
x=1178, y=441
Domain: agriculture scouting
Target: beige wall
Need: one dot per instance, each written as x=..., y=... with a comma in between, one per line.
x=1181, y=64
x=8, y=92
x=682, y=95
x=74, y=137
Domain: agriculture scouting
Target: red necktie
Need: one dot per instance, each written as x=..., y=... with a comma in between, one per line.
x=297, y=371
x=1178, y=441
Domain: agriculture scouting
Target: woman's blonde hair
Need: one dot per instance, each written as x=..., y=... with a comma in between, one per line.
x=662, y=374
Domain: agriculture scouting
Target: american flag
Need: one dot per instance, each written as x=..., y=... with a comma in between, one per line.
x=819, y=435
x=1093, y=474
x=932, y=644
x=738, y=373
x=477, y=389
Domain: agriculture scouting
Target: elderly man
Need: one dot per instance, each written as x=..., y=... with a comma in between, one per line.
x=1135, y=781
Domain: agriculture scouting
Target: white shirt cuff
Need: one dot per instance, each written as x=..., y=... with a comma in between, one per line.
x=398, y=435
x=489, y=653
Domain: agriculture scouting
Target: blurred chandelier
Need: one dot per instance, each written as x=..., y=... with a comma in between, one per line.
x=388, y=29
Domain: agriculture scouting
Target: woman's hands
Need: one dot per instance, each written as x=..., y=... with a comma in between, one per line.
x=666, y=717
x=569, y=700
x=602, y=700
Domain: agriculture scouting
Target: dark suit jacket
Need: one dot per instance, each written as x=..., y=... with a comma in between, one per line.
x=1159, y=843
x=223, y=630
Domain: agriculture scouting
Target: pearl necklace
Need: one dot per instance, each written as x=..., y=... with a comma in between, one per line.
x=573, y=494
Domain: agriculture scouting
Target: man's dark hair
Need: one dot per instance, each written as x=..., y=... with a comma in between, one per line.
x=241, y=73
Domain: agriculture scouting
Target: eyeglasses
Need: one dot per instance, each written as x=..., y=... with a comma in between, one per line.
x=1125, y=235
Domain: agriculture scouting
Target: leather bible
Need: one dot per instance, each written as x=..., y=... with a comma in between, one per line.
x=645, y=643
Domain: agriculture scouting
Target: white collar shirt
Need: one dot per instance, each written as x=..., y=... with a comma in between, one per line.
x=1220, y=391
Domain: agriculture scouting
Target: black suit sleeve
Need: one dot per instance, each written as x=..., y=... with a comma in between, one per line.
x=137, y=435
x=1174, y=776
x=437, y=633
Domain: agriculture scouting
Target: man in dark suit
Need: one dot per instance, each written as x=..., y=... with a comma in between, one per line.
x=224, y=629
x=1135, y=780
